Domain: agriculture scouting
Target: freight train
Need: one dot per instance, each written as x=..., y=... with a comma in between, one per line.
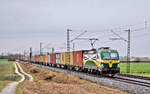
x=101, y=61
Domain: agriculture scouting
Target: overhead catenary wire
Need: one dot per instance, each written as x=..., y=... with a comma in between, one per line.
x=122, y=28
x=96, y=32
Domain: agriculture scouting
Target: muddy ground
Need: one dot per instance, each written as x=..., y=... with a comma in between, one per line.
x=49, y=82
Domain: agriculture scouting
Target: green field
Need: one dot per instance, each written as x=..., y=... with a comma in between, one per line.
x=136, y=68
x=7, y=73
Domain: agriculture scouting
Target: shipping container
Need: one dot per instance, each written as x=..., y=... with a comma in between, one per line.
x=66, y=58
x=37, y=59
x=34, y=59
x=58, y=58
x=48, y=58
x=78, y=58
x=25, y=58
x=62, y=58
x=40, y=58
x=69, y=58
x=53, y=58
x=44, y=58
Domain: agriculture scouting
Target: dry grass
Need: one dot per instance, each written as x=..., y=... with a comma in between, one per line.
x=3, y=84
x=7, y=73
x=49, y=82
x=145, y=75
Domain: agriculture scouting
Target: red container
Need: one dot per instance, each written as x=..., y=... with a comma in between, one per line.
x=37, y=60
x=53, y=58
x=44, y=58
x=78, y=58
x=34, y=58
x=38, y=56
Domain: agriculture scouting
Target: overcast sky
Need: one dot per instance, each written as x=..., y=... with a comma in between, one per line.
x=26, y=23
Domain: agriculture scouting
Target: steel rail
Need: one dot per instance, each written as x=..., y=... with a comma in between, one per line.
x=134, y=76
x=135, y=81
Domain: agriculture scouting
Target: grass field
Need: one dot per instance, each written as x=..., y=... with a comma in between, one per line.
x=7, y=73
x=136, y=68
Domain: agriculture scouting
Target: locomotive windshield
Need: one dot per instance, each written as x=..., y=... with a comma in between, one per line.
x=110, y=56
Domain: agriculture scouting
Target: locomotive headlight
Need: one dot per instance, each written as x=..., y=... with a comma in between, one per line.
x=102, y=64
x=118, y=65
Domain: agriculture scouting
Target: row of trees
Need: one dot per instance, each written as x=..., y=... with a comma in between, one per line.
x=3, y=57
x=11, y=57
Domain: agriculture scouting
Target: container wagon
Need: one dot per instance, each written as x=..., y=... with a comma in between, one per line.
x=102, y=61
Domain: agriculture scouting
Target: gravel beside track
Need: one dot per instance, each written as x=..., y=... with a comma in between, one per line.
x=107, y=81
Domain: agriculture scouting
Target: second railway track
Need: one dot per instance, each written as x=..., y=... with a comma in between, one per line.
x=133, y=81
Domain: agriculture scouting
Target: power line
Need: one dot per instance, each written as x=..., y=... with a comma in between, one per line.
x=128, y=47
x=118, y=36
x=122, y=28
x=143, y=35
x=78, y=36
x=143, y=28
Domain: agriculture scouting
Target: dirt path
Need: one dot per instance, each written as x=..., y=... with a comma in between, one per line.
x=30, y=77
x=11, y=88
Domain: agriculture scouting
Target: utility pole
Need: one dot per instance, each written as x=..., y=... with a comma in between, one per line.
x=30, y=54
x=24, y=53
x=128, y=47
x=128, y=52
x=52, y=50
x=68, y=41
x=40, y=48
x=68, y=46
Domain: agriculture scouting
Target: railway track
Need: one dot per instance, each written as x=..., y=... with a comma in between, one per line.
x=133, y=81
x=134, y=76
x=128, y=84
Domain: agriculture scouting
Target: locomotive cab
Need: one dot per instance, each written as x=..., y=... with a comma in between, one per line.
x=109, y=61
